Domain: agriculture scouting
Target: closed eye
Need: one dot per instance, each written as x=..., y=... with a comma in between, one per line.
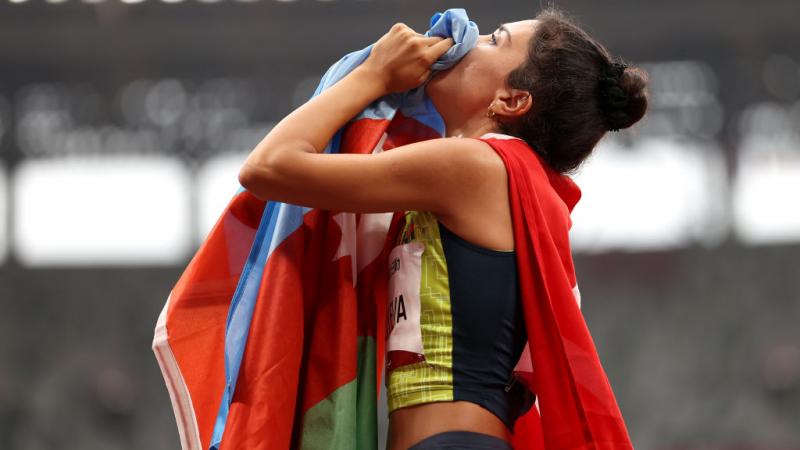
x=494, y=39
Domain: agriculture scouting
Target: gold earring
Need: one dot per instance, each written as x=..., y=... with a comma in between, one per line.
x=489, y=112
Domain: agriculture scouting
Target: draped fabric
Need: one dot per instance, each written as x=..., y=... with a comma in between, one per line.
x=576, y=408
x=273, y=337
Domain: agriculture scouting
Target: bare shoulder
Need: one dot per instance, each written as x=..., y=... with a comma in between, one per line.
x=477, y=207
x=482, y=163
x=476, y=157
x=480, y=210
x=476, y=173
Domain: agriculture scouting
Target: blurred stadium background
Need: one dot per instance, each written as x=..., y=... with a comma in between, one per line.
x=123, y=122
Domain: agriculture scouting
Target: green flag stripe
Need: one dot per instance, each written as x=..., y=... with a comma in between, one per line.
x=347, y=418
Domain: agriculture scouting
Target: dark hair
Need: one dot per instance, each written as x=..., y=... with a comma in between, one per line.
x=579, y=92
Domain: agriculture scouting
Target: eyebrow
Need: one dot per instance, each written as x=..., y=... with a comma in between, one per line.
x=502, y=27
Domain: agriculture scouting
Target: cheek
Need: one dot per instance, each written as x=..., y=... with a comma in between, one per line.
x=476, y=72
x=474, y=80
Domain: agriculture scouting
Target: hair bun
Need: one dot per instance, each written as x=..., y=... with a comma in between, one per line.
x=621, y=95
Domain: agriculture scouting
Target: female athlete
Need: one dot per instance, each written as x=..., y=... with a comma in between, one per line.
x=544, y=81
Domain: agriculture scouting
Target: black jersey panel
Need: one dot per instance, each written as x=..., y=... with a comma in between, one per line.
x=488, y=325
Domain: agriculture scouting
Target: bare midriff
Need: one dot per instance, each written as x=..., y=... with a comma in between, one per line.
x=411, y=424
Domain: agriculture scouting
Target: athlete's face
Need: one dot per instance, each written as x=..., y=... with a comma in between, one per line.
x=475, y=80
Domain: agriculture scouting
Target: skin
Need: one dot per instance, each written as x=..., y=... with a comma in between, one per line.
x=433, y=175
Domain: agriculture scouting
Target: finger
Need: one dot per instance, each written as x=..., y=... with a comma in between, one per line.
x=431, y=40
x=439, y=48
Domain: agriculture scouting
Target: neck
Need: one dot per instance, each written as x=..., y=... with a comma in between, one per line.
x=470, y=128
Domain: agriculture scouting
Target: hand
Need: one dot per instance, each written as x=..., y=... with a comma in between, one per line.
x=402, y=57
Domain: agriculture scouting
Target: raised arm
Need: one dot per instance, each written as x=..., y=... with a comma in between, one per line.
x=438, y=175
x=280, y=166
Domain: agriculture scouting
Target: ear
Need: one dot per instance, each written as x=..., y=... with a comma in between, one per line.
x=512, y=102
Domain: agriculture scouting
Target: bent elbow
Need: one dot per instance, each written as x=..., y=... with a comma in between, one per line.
x=255, y=180
x=267, y=176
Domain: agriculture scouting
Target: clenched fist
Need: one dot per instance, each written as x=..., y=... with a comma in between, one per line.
x=402, y=57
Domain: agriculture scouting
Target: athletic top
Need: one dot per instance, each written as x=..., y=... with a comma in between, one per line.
x=455, y=325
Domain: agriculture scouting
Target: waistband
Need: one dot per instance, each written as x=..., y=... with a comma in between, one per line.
x=461, y=440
